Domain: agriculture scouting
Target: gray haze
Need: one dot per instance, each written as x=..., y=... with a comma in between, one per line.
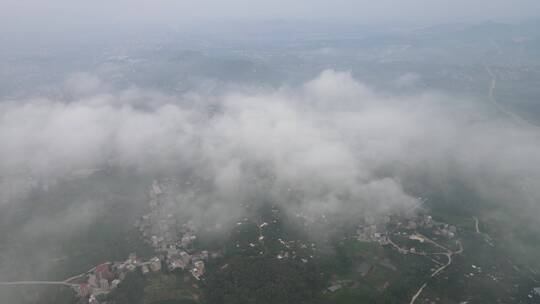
x=59, y=16
x=346, y=109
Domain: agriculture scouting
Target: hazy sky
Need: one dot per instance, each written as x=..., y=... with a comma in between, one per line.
x=38, y=15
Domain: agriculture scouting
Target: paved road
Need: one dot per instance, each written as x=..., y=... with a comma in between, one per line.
x=476, y=224
x=486, y=236
x=36, y=283
x=417, y=294
x=443, y=267
x=66, y=282
x=437, y=271
x=520, y=120
x=81, y=275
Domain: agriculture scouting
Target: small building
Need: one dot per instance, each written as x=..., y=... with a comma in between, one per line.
x=428, y=221
x=156, y=189
x=416, y=237
x=103, y=272
x=334, y=287
x=186, y=258
x=176, y=264
x=536, y=291
x=447, y=233
x=104, y=284
x=198, y=270
x=155, y=264
x=115, y=283
x=195, y=257
x=383, y=239
x=84, y=290
x=92, y=300
x=144, y=269
x=132, y=258
x=155, y=242
x=122, y=276
x=172, y=251
x=187, y=240
x=364, y=268
x=199, y=265
x=92, y=280
x=131, y=267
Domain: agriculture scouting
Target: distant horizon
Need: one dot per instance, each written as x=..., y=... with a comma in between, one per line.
x=35, y=16
x=225, y=29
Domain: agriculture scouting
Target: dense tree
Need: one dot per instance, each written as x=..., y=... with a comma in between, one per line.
x=130, y=291
x=264, y=281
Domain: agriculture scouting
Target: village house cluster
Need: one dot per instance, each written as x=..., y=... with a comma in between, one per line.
x=378, y=232
x=105, y=277
x=172, y=241
x=437, y=228
x=372, y=233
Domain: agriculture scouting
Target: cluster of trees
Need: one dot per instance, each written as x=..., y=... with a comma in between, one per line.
x=37, y=294
x=129, y=291
x=264, y=280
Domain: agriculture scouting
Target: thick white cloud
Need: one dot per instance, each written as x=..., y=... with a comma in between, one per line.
x=331, y=145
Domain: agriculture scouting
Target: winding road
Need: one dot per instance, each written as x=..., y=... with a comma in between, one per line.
x=449, y=253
